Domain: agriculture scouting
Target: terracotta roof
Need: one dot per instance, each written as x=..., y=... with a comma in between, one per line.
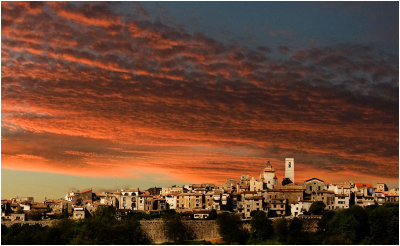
x=145, y=195
x=306, y=201
x=87, y=190
x=249, y=192
x=290, y=186
x=387, y=193
x=363, y=184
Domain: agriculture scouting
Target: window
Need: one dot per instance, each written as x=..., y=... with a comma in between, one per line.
x=274, y=205
x=310, y=188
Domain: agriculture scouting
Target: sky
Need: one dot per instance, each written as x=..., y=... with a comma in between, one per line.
x=109, y=95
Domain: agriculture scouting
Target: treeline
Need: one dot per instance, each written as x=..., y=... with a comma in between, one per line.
x=356, y=225
x=101, y=228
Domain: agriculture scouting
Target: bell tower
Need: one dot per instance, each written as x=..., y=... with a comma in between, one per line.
x=289, y=168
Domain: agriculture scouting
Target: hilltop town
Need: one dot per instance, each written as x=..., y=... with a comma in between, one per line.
x=263, y=193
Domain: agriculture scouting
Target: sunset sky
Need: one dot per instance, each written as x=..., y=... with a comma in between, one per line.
x=140, y=94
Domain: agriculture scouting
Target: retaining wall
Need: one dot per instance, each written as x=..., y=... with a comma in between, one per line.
x=202, y=229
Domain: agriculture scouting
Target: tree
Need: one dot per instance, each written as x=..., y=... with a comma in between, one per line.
x=286, y=181
x=317, y=208
x=384, y=224
x=342, y=224
x=175, y=229
x=213, y=215
x=281, y=229
x=261, y=227
x=272, y=213
x=288, y=210
x=295, y=232
x=34, y=215
x=231, y=230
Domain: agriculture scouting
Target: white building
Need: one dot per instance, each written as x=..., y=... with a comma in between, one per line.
x=171, y=201
x=268, y=177
x=300, y=207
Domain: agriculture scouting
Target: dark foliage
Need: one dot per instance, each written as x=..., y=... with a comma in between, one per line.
x=102, y=228
x=317, y=207
x=261, y=227
x=231, y=229
x=286, y=181
x=356, y=225
x=272, y=213
x=213, y=215
x=175, y=229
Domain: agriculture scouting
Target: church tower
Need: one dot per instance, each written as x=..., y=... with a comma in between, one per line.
x=289, y=168
x=268, y=177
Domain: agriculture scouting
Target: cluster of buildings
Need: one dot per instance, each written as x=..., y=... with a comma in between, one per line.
x=243, y=196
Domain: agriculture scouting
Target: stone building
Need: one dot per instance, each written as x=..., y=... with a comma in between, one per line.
x=172, y=189
x=278, y=206
x=256, y=184
x=79, y=213
x=128, y=199
x=291, y=192
x=326, y=196
x=145, y=202
x=342, y=201
x=312, y=185
x=341, y=188
x=268, y=177
x=363, y=189
x=289, y=168
x=300, y=207
x=171, y=200
x=249, y=201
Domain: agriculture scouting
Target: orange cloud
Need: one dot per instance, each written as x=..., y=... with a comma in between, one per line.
x=105, y=96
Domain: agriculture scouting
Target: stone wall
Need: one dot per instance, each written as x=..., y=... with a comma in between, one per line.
x=202, y=229
x=30, y=222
